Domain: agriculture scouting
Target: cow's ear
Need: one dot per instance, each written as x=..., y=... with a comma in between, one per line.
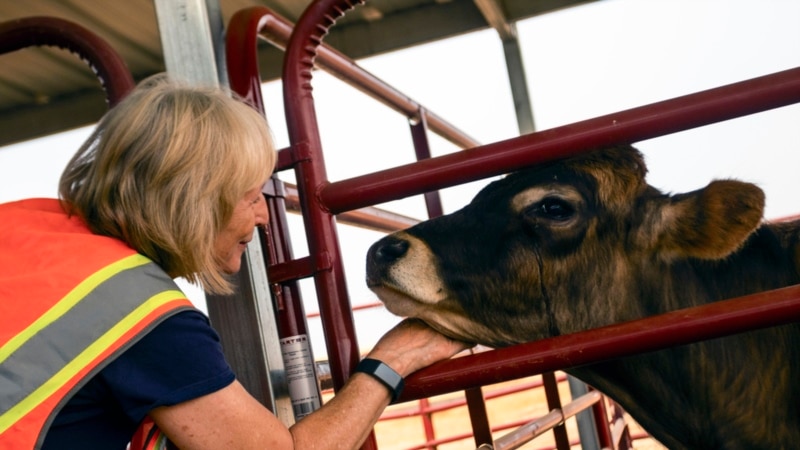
x=709, y=223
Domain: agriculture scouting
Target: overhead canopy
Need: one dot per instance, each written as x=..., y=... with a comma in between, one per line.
x=47, y=90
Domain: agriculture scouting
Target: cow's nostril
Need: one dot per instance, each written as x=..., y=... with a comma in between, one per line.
x=391, y=249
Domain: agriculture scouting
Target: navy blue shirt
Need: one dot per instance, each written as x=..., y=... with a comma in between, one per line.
x=179, y=360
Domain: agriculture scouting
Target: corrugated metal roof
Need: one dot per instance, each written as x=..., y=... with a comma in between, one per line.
x=44, y=90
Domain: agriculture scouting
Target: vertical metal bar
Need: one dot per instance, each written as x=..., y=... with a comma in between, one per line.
x=554, y=402
x=507, y=31
x=303, y=386
x=515, y=69
x=519, y=85
x=623, y=438
x=601, y=423
x=427, y=422
x=186, y=40
x=323, y=243
x=189, y=53
x=249, y=333
x=586, y=424
x=478, y=416
x=422, y=149
x=216, y=28
x=295, y=345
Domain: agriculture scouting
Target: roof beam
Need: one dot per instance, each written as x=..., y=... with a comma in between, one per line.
x=496, y=18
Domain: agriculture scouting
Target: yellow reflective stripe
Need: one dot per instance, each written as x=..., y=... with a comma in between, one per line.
x=71, y=299
x=84, y=358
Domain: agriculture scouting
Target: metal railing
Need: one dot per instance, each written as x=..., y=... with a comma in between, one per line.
x=322, y=199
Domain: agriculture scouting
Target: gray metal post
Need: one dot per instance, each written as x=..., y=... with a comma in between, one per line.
x=191, y=37
x=492, y=12
x=519, y=85
x=585, y=418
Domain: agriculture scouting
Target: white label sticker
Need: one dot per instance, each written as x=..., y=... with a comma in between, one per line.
x=300, y=375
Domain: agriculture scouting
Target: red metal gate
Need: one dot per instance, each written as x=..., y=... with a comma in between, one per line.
x=322, y=199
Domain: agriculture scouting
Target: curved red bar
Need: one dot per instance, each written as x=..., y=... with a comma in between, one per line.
x=241, y=49
x=323, y=243
x=111, y=70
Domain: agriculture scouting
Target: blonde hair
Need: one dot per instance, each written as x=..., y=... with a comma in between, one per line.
x=164, y=170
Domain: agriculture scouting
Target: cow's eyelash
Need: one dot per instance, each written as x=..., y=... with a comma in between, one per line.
x=553, y=208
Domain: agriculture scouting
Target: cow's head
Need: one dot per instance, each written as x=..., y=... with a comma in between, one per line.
x=555, y=249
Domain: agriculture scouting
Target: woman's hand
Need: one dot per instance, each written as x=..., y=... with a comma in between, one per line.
x=412, y=345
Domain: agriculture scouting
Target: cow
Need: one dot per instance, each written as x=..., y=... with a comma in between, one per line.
x=585, y=242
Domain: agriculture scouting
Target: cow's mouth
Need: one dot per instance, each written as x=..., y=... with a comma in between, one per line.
x=446, y=317
x=396, y=301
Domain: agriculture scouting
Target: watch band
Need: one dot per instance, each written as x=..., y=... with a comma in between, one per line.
x=384, y=374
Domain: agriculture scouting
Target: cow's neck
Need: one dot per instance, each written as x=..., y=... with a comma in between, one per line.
x=642, y=383
x=766, y=261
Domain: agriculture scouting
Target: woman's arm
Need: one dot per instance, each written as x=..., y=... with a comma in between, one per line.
x=231, y=418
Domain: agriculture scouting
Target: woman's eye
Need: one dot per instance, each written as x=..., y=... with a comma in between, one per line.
x=552, y=208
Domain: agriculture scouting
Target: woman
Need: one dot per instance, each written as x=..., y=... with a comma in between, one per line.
x=94, y=335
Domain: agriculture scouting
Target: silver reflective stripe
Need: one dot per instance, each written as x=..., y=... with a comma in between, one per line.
x=52, y=356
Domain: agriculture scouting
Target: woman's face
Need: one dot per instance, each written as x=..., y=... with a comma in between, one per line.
x=251, y=211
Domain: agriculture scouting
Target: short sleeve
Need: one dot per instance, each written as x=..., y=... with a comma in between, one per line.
x=179, y=360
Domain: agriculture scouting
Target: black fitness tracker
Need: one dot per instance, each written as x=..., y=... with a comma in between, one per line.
x=384, y=374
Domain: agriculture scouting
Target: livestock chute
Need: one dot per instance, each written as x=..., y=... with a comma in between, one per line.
x=267, y=320
x=640, y=123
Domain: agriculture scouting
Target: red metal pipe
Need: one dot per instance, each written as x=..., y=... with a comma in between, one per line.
x=422, y=150
x=244, y=78
x=632, y=125
x=110, y=68
x=249, y=23
x=554, y=404
x=478, y=416
x=766, y=309
x=427, y=421
x=445, y=406
x=241, y=48
x=601, y=425
x=337, y=318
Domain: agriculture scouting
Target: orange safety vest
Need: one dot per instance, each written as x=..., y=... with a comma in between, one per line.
x=70, y=302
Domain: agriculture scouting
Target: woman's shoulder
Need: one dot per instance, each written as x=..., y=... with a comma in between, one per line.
x=179, y=359
x=186, y=332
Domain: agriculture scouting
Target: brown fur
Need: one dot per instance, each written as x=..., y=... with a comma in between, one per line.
x=584, y=243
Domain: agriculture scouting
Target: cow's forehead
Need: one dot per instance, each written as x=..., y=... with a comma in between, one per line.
x=614, y=174
x=553, y=173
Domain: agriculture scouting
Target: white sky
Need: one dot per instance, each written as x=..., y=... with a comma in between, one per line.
x=581, y=62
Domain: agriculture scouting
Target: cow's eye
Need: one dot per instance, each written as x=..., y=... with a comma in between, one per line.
x=551, y=208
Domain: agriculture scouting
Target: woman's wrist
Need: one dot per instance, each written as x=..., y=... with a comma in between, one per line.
x=387, y=376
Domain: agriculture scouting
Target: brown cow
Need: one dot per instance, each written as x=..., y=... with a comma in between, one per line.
x=586, y=242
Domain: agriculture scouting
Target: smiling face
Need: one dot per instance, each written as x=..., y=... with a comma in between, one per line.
x=250, y=212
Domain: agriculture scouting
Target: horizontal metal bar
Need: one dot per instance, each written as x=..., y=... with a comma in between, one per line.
x=370, y=217
x=536, y=428
x=632, y=125
x=277, y=31
x=766, y=309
